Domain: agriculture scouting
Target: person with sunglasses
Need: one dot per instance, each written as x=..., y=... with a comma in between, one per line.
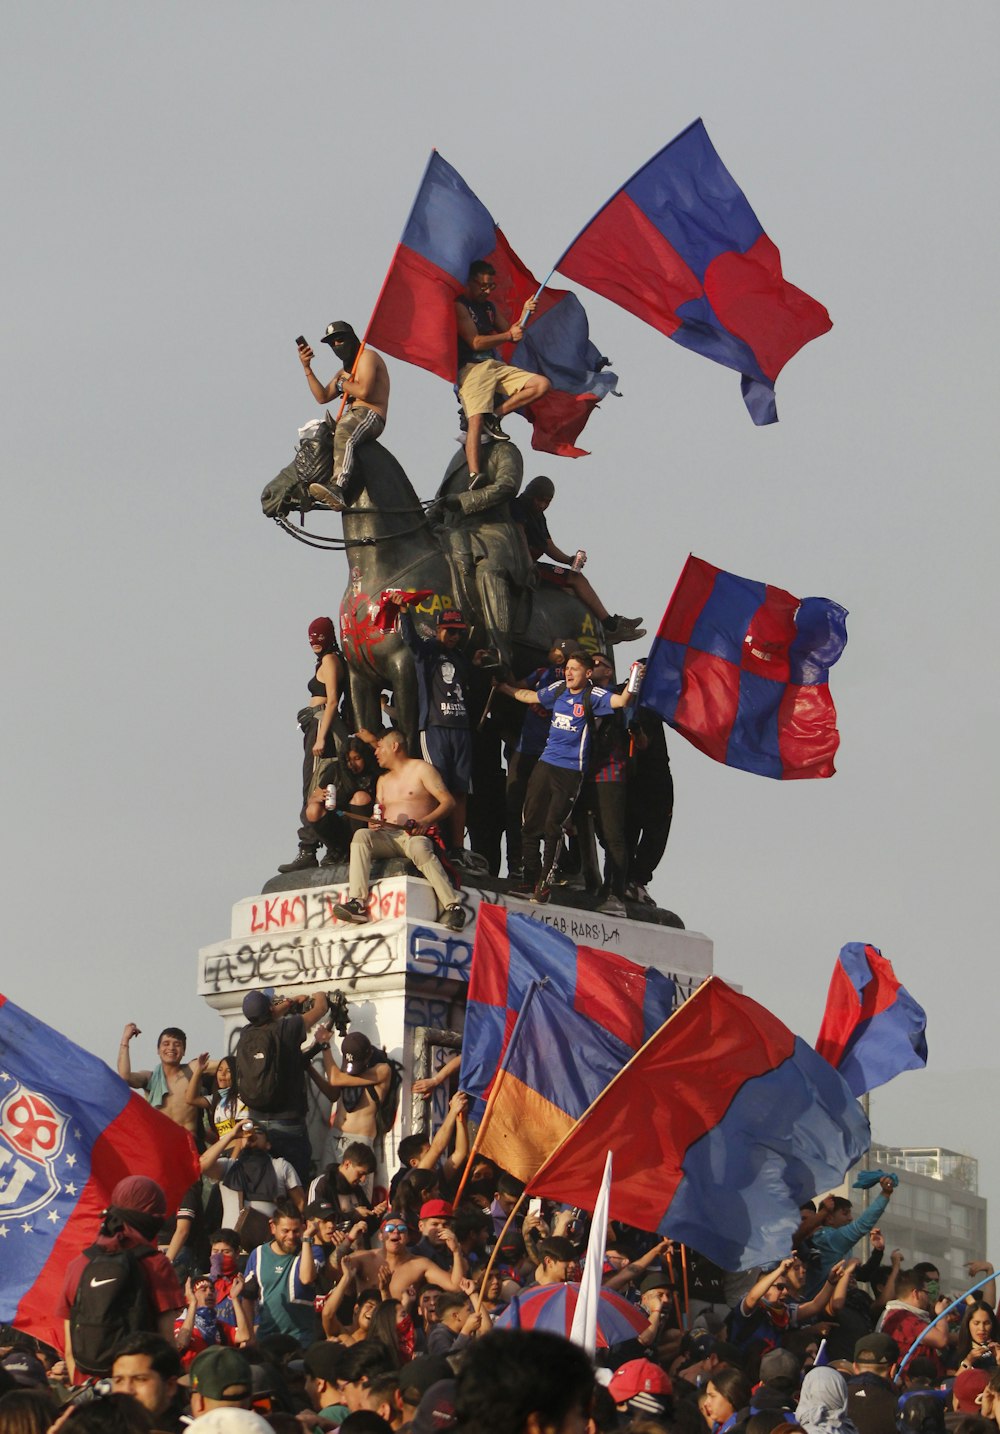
x=364, y=383
x=772, y=1305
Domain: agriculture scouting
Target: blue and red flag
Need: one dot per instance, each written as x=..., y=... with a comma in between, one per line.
x=741, y=669
x=872, y=1027
x=741, y=1121
x=679, y=246
x=414, y=318
x=70, y=1129
x=626, y=1000
x=556, y=1064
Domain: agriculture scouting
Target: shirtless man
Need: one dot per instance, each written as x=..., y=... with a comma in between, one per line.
x=413, y=798
x=356, y=1088
x=367, y=393
x=405, y=1270
x=166, y=1087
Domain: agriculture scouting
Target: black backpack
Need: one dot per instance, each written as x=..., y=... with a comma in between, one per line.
x=258, y=1067
x=111, y=1301
x=386, y=1108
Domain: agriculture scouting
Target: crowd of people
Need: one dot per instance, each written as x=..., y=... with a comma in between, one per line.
x=296, y=1285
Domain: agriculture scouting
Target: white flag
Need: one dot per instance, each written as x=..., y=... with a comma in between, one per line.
x=584, y=1331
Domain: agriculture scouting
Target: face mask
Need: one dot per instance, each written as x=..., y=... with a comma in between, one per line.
x=227, y=1264
x=933, y=1288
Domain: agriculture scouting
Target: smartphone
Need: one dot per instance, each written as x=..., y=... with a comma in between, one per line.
x=535, y=1205
x=301, y=342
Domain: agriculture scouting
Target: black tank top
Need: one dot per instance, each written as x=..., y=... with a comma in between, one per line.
x=484, y=316
x=317, y=688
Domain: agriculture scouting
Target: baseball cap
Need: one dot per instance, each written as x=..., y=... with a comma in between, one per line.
x=322, y=1210
x=436, y=1409
x=431, y=1208
x=256, y=1005
x=876, y=1349
x=968, y=1386
x=638, y=1376
x=340, y=328
x=25, y=1368
x=779, y=1364
x=356, y=1050
x=451, y=617
x=217, y=1370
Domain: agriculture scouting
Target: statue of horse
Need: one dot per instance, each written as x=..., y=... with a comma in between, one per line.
x=472, y=557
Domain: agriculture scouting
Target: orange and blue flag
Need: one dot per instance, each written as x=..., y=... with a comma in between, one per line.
x=555, y=1066
x=741, y=1122
x=70, y=1129
x=449, y=228
x=679, y=246
x=511, y=951
x=741, y=669
x=872, y=1028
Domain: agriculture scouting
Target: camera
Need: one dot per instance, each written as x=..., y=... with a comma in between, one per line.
x=338, y=1012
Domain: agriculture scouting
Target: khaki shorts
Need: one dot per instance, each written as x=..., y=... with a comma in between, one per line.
x=478, y=384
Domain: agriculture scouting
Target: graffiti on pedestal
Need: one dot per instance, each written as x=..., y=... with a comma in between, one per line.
x=313, y=910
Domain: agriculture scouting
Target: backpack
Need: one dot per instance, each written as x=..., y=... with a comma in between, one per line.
x=258, y=1067
x=387, y=1107
x=111, y=1301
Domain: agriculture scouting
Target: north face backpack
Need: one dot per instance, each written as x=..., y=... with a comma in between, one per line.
x=111, y=1302
x=258, y=1067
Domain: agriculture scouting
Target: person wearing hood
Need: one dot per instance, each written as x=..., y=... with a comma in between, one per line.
x=822, y=1406
x=137, y=1209
x=363, y=380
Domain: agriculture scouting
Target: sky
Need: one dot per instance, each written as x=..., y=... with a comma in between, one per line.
x=188, y=187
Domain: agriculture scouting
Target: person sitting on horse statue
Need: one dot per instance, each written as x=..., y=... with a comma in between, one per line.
x=410, y=801
x=365, y=388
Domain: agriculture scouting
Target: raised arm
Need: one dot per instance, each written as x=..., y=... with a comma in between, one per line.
x=322, y=393
x=138, y=1080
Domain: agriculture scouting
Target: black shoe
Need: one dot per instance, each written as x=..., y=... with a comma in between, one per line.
x=335, y=856
x=541, y=894
x=453, y=917
x=521, y=888
x=305, y=859
x=491, y=426
x=354, y=911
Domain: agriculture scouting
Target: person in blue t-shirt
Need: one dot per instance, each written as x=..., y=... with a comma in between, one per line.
x=575, y=706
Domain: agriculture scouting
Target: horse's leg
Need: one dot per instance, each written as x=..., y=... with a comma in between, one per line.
x=402, y=675
x=365, y=694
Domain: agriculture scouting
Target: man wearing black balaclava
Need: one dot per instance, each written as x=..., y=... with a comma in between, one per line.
x=364, y=382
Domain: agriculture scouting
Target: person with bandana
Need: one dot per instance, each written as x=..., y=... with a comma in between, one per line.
x=323, y=733
x=364, y=383
x=202, y=1326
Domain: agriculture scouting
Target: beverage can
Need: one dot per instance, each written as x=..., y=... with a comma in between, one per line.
x=378, y=812
x=636, y=673
x=579, y=560
x=331, y=798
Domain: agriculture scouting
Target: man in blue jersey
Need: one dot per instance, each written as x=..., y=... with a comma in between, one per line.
x=576, y=706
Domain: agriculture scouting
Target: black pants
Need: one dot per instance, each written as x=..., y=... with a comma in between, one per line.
x=604, y=803
x=520, y=766
x=650, y=812
x=310, y=835
x=552, y=793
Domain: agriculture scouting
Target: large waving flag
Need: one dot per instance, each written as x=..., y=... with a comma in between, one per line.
x=414, y=318
x=679, y=246
x=70, y=1129
x=872, y=1027
x=511, y=951
x=741, y=669
x=556, y=1064
x=740, y=1121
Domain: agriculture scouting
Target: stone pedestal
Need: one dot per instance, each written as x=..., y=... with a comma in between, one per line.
x=405, y=975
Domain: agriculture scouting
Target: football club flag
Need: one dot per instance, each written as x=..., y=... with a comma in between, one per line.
x=679, y=246
x=510, y=952
x=741, y=1123
x=741, y=669
x=556, y=1064
x=449, y=228
x=872, y=1027
x=70, y=1129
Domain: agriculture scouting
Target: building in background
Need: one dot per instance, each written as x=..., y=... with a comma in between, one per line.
x=937, y=1213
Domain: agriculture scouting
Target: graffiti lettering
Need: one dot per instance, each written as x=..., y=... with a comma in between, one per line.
x=313, y=910
x=307, y=959
x=433, y=953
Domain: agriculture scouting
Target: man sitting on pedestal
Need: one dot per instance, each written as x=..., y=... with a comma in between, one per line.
x=413, y=800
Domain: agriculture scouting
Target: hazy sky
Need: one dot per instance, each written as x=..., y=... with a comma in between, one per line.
x=187, y=187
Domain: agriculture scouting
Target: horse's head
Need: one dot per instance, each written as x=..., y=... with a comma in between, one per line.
x=285, y=493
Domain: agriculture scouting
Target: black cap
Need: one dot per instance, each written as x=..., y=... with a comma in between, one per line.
x=338, y=329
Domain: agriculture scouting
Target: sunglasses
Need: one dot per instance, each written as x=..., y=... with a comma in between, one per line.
x=394, y=1229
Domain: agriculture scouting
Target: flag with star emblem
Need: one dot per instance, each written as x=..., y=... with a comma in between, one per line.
x=70, y=1129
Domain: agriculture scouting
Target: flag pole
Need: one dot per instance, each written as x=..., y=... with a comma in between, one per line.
x=498, y=1082
x=496, y=1248
x=937, y=1319
x=687, y=1295
x=673, y=1287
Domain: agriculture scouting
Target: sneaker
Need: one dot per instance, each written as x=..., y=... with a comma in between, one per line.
x=541, y=894
x=453, y=917
x=521, y=888
x=641, y=894
x=612, y=906
x=332, y=494
x=354, y=911
x=305, y=859
x=492, y=429
x=621, y=634
x=629, y=623
x=334, y=857
x=516, y=872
